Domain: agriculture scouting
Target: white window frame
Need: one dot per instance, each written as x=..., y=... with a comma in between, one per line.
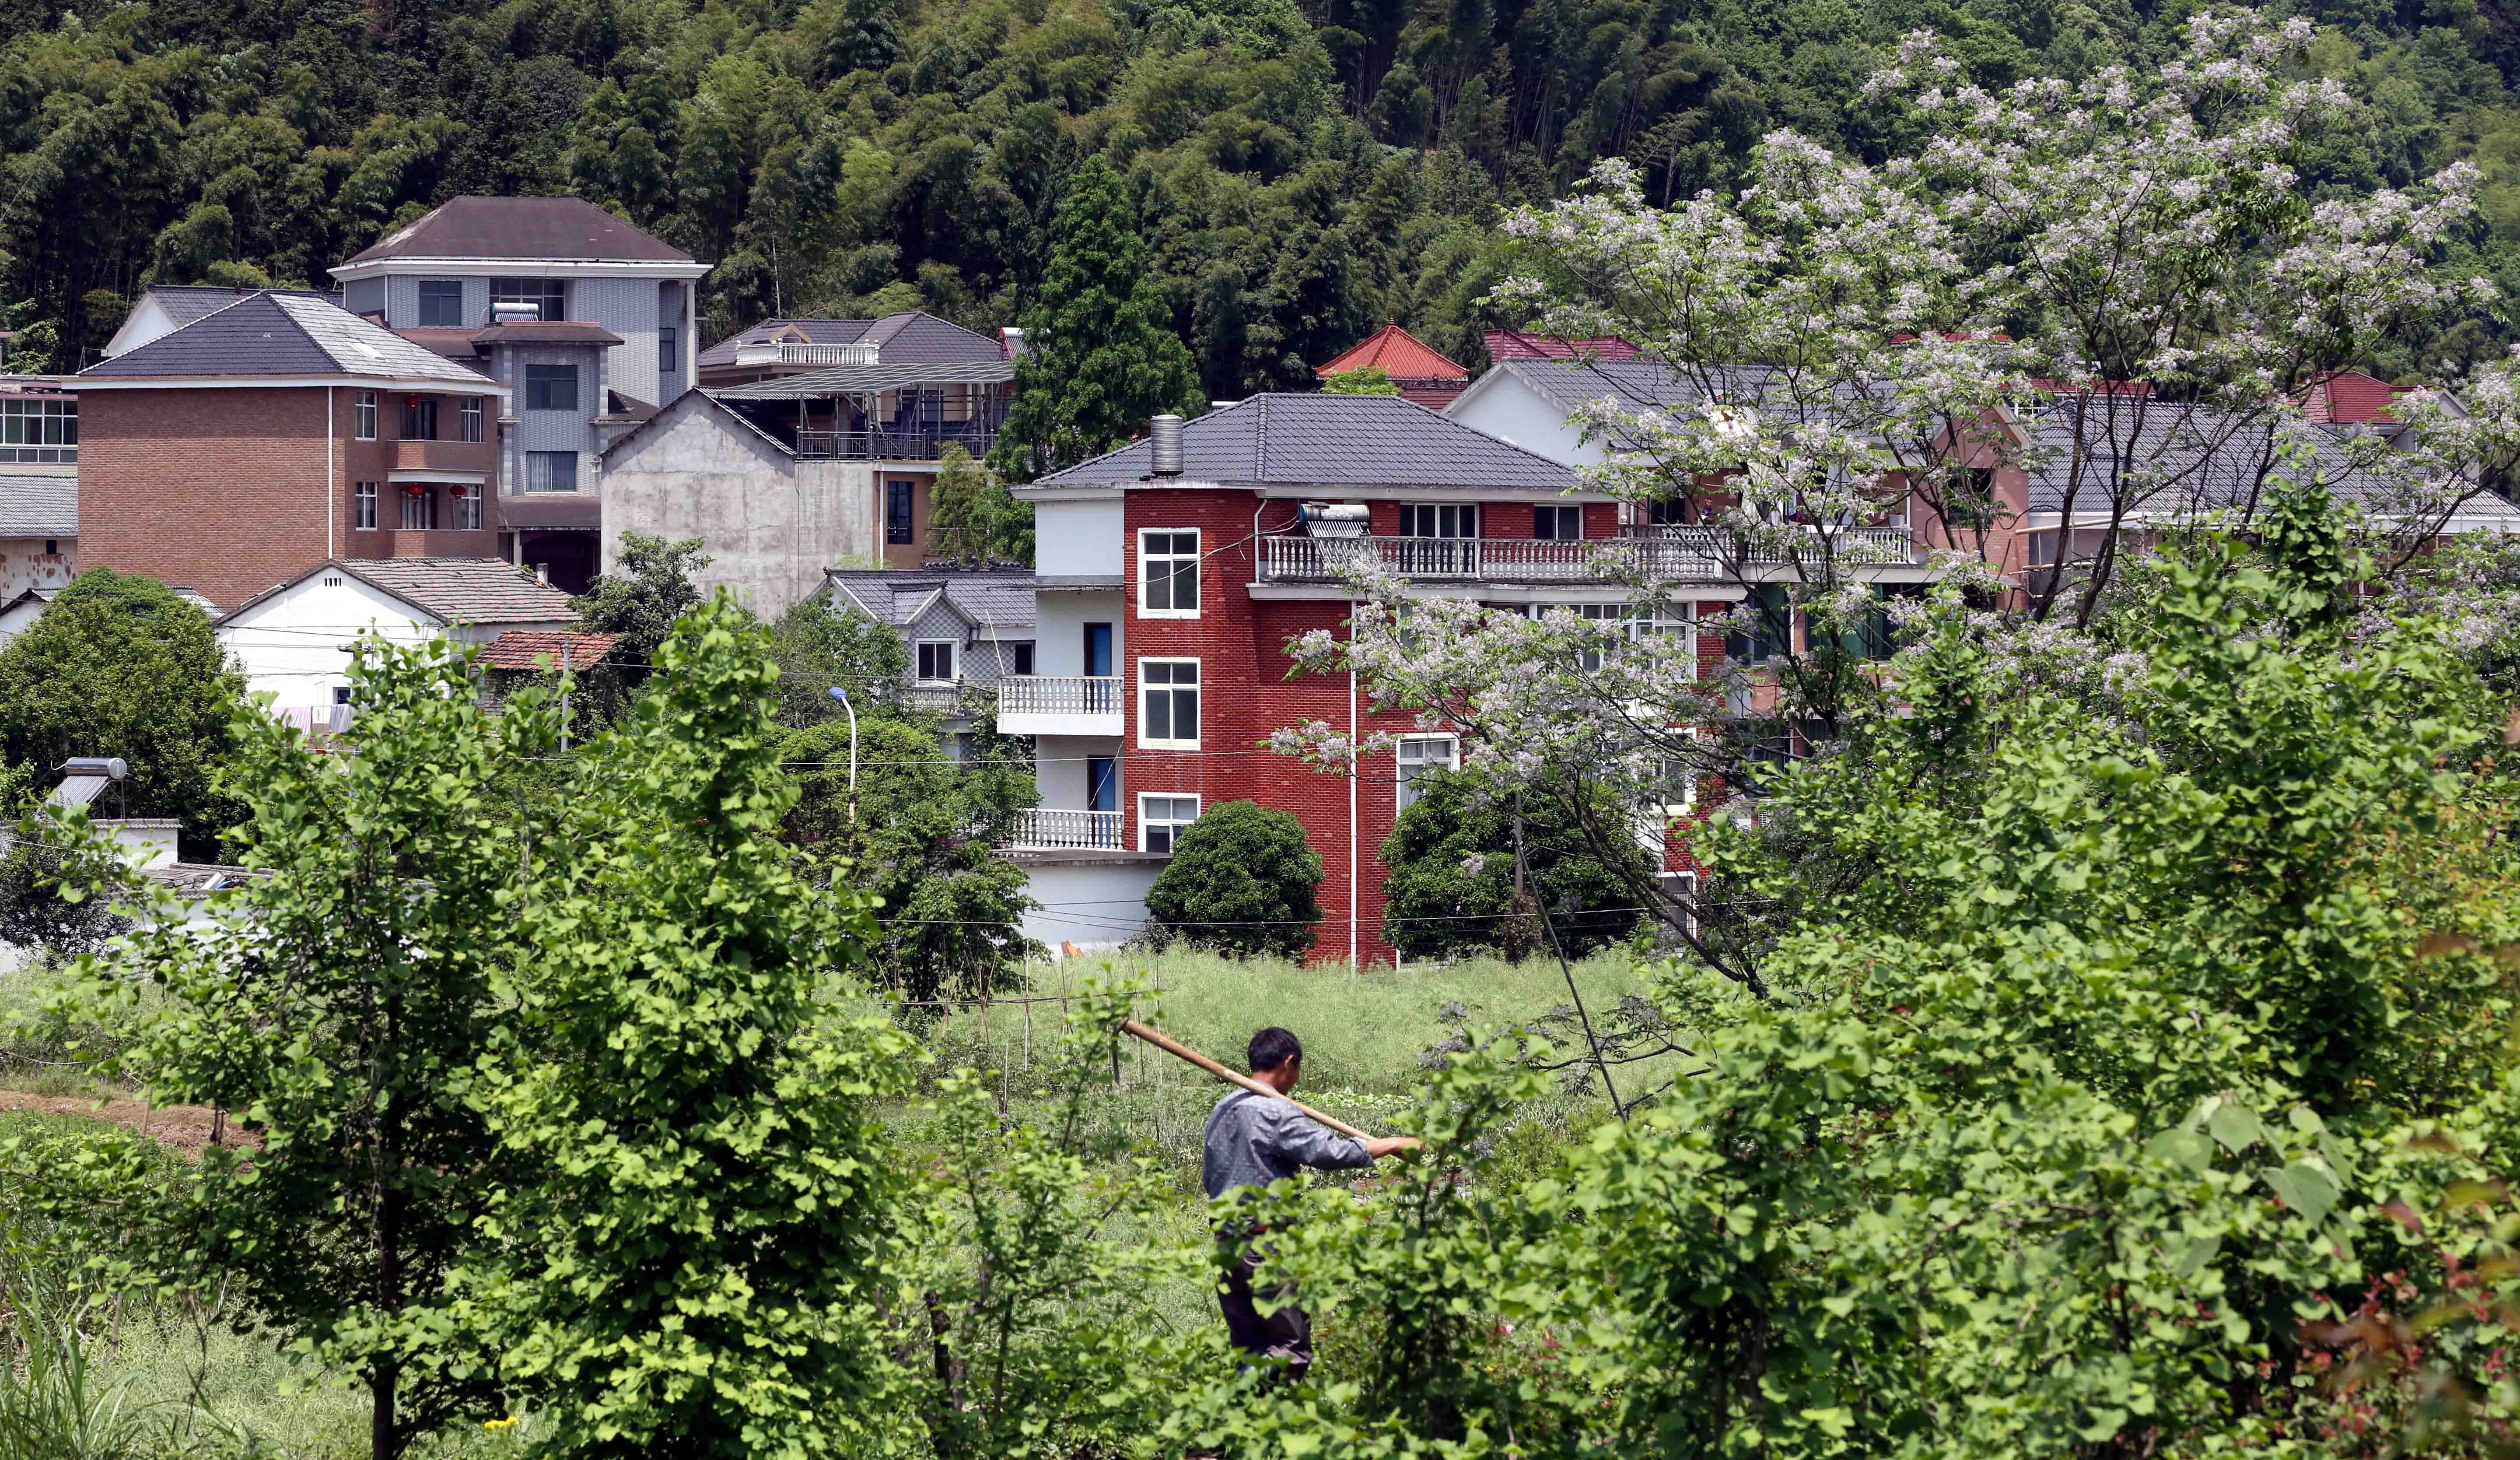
x=363, y=416
x=466, y=502
x=469, y=416
x=1197, y=686
x=363, y=506
x=1146, y=580
x=1687, y=802
x=1173, y=826
x=1665, y=881
x=1557, y=513
x=919, y=654
x=1405, y=791
x=1464, y=517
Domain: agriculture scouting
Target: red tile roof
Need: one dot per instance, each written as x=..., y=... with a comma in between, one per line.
x=540, y=649
x=1399, y=354
x=2349, y=396
x=1515, y=344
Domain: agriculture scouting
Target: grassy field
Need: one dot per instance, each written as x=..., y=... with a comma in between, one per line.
x=160, y=1380
x=1363, y=1033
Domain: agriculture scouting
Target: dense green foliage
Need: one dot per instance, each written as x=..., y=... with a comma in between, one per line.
x=642, y=600
x=122, y=666
x=817, y=649
x=974, y=521
x=1453, y=881
x=922, y=837
x=378, y=940
x=1303, y=171
x=1100, y=355
x=1241, y=879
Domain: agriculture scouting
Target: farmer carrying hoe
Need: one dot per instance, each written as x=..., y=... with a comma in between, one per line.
x=1252, y=1140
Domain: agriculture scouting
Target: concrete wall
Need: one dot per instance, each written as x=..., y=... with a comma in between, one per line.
x=1094, y=905
x=24, y=564
x=771, y=524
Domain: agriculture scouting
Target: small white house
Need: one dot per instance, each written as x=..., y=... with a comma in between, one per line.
x=291, y=640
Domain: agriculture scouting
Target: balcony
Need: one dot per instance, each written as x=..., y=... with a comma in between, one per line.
x=1660, y=552
x=902, y=443
x=465, y=459
x=804, y=356
x=1050, y=829
x=1058, y=705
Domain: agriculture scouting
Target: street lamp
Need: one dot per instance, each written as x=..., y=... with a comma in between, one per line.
x=842, y=696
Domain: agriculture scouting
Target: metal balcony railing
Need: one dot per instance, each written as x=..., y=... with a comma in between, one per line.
x=905, y=443
x=1057, y=694
x=1658, y=553
x=1053, y=829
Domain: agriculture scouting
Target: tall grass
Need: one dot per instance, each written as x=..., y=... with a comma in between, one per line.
x=1362, y=1031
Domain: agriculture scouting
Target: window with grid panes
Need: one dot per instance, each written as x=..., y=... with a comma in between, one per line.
x=1168, y=701
x=1421, y=755
x=1168, y=571
x=1162, y=819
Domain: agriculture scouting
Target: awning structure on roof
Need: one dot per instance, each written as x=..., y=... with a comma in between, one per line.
x=870, y=380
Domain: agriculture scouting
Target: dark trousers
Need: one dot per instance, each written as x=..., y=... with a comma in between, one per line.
x=1285, y=1336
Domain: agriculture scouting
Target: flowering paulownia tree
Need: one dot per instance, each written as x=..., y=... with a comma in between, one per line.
x=2071, y=318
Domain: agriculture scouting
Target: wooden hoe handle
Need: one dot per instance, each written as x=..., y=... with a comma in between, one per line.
x=1184, y=1051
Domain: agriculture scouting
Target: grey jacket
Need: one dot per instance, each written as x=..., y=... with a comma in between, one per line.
x=1254, y=1140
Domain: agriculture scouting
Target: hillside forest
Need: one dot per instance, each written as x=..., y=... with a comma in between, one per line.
x=1302, y=169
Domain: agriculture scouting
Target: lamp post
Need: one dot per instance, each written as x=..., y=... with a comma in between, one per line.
x=842, y=696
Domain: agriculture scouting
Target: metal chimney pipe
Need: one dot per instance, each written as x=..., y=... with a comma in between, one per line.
x=1165, y=432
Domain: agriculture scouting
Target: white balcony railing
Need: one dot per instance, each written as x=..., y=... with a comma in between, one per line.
x=1663, y=553
x=1053, y=829
x=1058, y=705
x=792, y=352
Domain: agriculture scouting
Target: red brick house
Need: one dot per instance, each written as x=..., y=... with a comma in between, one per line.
x=278, y=432
x=1167, y=591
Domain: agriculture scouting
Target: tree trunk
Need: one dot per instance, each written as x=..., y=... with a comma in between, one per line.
x=382, y=1382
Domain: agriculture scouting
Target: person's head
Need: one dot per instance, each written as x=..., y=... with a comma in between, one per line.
x=1275, y=1056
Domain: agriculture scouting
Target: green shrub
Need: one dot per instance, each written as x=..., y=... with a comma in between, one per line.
x=1243, y=880
x=1452, y=881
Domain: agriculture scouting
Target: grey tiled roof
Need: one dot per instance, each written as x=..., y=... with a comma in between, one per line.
x=187, y=302
x=465, y=590
x=39, y=504
x=271, y=333
x=910, y=337
x=1332, y=441
x=994, y=597
x=2172, y=459
x=561, y=229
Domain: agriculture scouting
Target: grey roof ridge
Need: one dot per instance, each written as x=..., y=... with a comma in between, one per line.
x=1125, y=445
x=715, y=404
x=284, y=584
x=213, y=314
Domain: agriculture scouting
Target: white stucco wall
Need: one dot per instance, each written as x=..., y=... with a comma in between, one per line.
x=1058, y=628
x=1501, y=405
x=1094, y=905
x=24, y=564
x=771, y=524
x=1077, y=539
x=290, y=644
x=1058, y=768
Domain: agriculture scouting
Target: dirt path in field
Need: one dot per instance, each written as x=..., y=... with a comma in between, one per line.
x=183, y=1127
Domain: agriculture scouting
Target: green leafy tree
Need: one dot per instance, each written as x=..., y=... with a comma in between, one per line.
x=339, y=1002
x=818, y=646
x=122, y=666
x=924, y=840
x=698, y=1268
x=1241, y=880
x=1452, y=883
x=642, y=600
x=1365, y=380
x=975, y=520
x=1100, y=355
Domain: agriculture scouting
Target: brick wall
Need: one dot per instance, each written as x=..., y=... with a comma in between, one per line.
x=223, y=492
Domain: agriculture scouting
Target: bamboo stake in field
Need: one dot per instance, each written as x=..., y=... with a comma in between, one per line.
x=1236, y=1077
